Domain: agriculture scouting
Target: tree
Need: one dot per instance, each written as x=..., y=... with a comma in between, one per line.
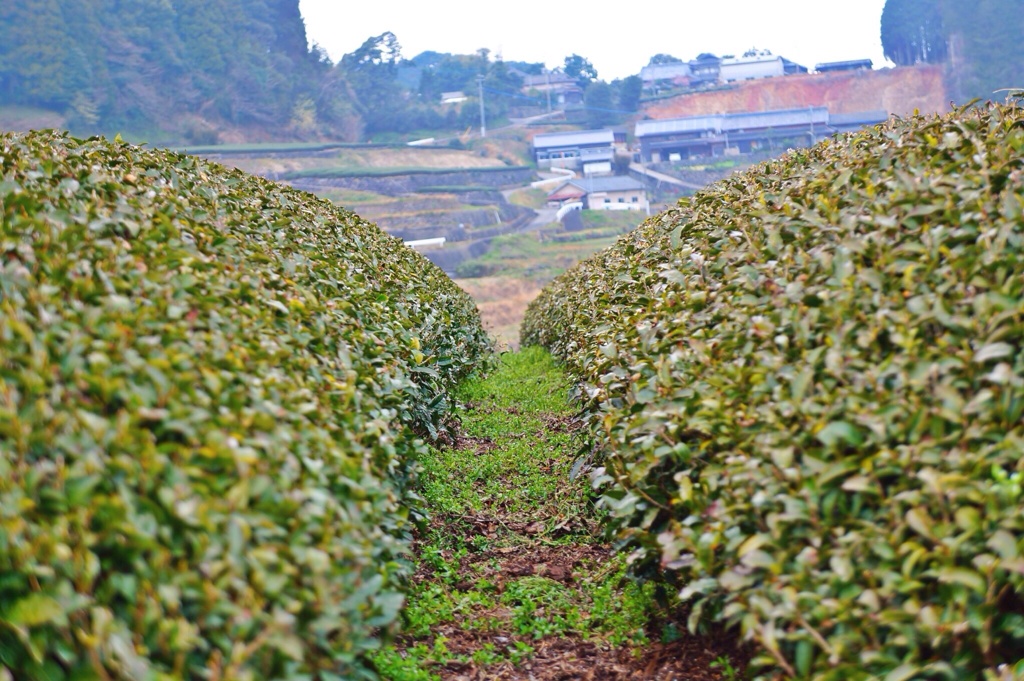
x=581, y=69
x=382, y=51
x=484, y=55
x=503, y=82
x=166, y=64
x=913, y=32
x=529, y=68
x=448, y=73
x=35, y=54
x=599, y=101
x=662, y=58
x=501, y=87
x=630, y=89
x=370, y=72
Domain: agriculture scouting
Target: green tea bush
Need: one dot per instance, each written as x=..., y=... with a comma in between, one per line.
x=211, y=388
x=806, y=385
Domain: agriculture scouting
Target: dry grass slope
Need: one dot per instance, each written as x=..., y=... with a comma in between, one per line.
x=899, y=91
x=502, y=302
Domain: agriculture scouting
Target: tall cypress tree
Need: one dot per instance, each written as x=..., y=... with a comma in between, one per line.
x=913, y=32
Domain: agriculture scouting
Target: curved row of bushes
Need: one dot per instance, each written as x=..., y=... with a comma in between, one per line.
x=807, y=387
x=211, y=388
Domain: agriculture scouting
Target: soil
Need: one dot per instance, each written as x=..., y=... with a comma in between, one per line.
x=899, y=91
x=560, y=658
x=502, y=303
x=690, y=658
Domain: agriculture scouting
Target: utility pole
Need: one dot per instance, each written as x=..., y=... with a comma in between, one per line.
x=483, y=120
x=548, y=90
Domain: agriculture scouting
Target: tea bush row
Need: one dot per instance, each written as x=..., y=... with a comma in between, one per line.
x=806, y=385
x=212, y=390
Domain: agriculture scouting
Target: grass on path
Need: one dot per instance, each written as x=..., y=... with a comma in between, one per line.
x=512, y=580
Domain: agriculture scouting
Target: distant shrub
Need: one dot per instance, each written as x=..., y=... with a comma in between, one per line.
x=199, y=132
x=806, y=385
x=208, y=390
x=474, y=269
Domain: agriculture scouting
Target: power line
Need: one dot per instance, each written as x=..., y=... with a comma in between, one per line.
x=539, y=102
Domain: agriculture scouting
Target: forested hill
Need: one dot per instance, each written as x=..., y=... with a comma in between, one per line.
x=982, y=41
x=188, y=66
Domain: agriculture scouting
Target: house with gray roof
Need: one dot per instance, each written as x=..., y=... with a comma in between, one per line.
x=671, y=73
x=618, y=192
x=721, y=134
x=592, y=151
x=552, y=80
x=557, y=88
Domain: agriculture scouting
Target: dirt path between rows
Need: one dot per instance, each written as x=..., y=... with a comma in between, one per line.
x=513, y=581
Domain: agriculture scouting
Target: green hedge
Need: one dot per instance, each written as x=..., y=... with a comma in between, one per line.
x=806, y=385
x=211, y=388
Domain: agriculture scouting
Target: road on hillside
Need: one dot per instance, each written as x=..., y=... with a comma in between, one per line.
x=544, y=216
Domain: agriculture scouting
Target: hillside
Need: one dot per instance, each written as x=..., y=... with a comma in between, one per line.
x=980, y=41
x=185, y=68
x=899, y=91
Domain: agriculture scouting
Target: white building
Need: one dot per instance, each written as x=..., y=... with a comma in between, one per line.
x=672, y=72
x=761, y=65
x=453, y=97
x=620, y=192
x=592, y=151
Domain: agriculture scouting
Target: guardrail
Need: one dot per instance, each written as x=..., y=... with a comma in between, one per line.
x=567, y=208
x=426, y=243
x=564, y=172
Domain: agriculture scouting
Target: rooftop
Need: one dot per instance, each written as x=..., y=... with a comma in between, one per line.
x=665, y=71
x=615, y=183
x=859, y=119
x=719, y=123
x=755, y=59
x=573, y=139
x=841, y=65
x=546, y=79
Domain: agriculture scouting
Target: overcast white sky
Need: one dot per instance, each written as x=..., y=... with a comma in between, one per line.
x=617, y=37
